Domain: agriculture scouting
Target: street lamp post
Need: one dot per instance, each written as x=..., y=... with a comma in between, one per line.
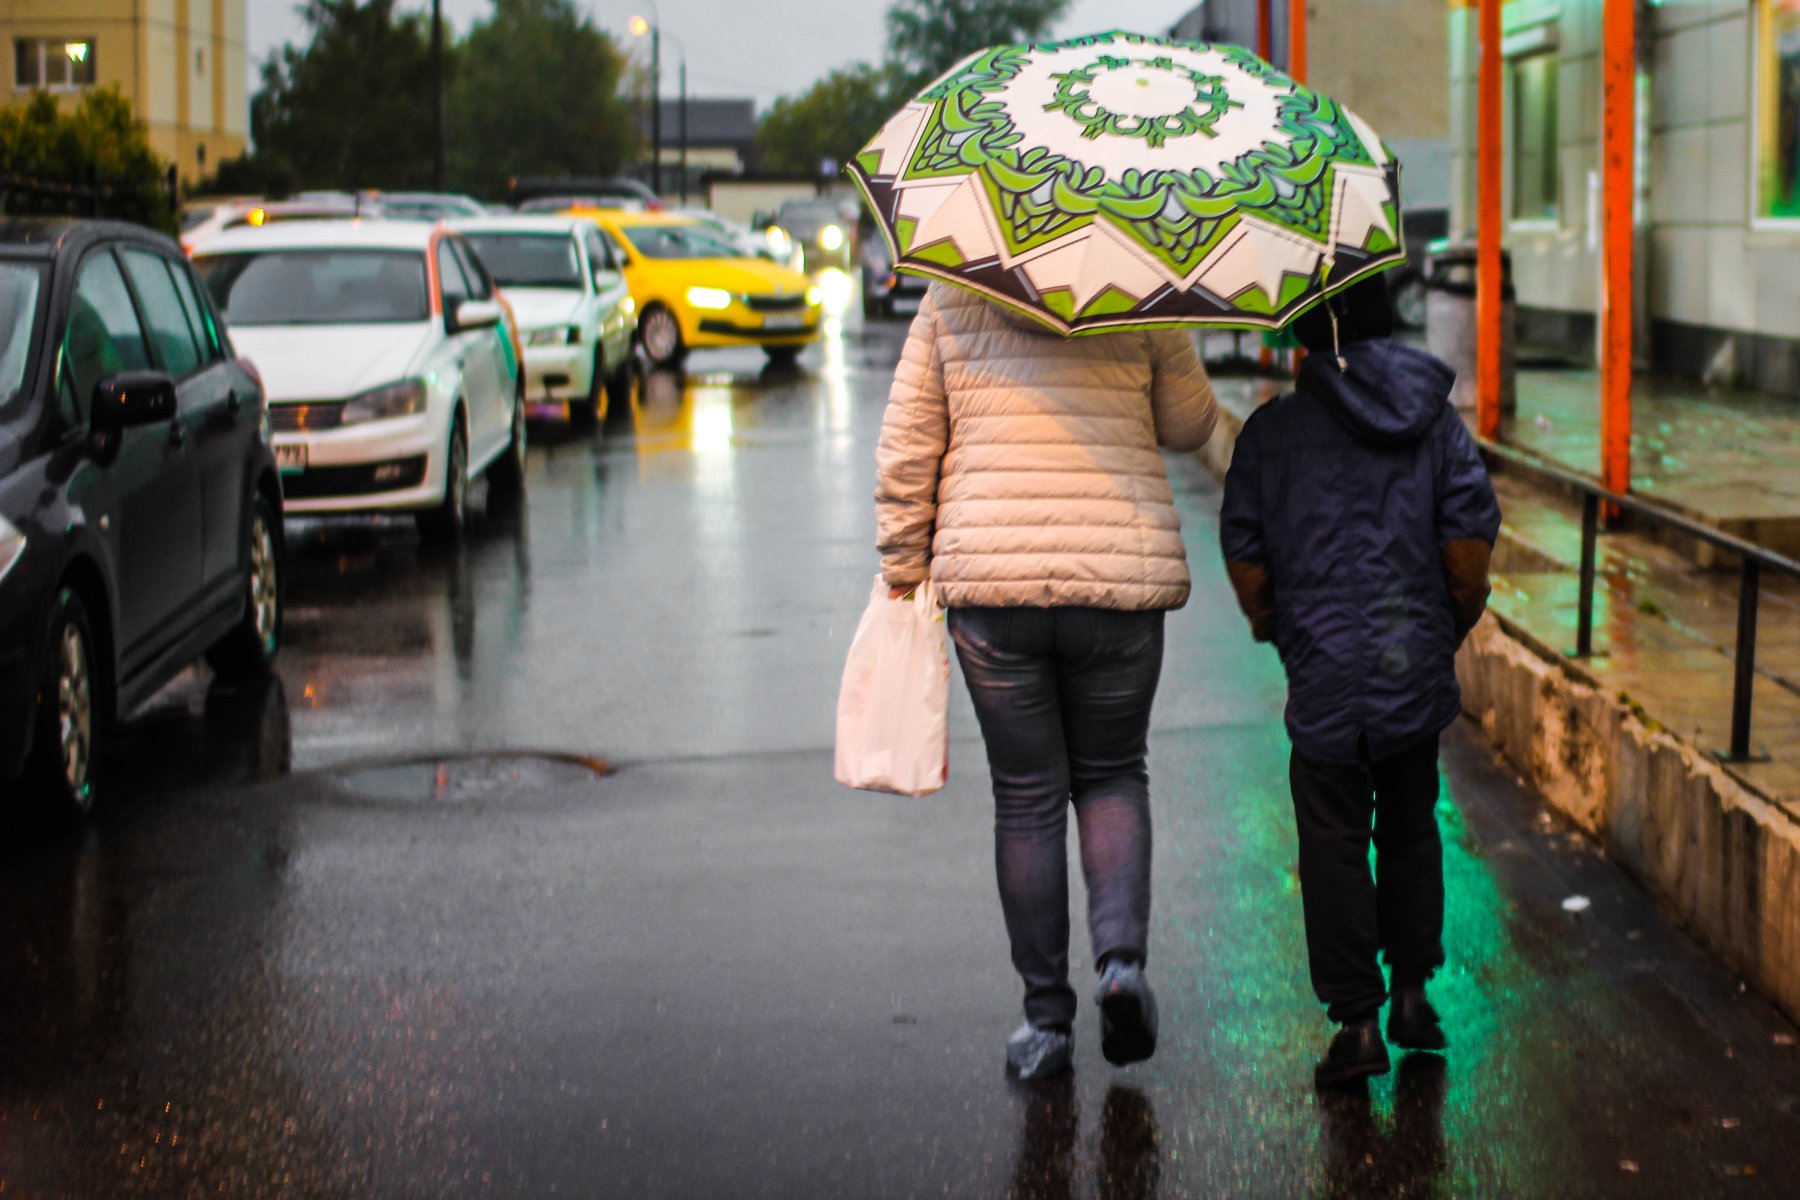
x=438, y=132
x=653, y=26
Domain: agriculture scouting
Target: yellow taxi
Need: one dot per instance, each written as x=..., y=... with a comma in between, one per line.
x=695, y=290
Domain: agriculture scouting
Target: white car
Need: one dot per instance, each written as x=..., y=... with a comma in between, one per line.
x=389, y=360
x=576, y=317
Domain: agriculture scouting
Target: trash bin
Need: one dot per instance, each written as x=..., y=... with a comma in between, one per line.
x=1450, y=321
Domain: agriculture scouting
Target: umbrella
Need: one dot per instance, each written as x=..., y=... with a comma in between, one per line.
x=1120, y=180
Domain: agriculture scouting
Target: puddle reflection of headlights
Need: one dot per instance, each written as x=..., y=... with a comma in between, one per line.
x=12, y=546
x=831, y=238
x=401, y=399
x=709, y=297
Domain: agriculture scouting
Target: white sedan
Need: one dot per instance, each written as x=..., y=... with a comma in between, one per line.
x=576, y=317
x=390, y=364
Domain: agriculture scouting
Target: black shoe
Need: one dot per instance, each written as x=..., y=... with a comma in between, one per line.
x=1412, y=1022
x=1127, y=1013
x=1355, y=1053
x=1034, y=1053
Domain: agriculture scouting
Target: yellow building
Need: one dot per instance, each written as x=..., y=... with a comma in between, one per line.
x=181, y=63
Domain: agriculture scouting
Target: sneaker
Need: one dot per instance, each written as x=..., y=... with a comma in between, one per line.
x=1033, y=1053
x=1412, y=1022
x=1127, y=1013
x=1355, y=1053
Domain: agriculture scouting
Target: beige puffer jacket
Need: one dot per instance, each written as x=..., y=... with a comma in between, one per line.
x=1019, y=469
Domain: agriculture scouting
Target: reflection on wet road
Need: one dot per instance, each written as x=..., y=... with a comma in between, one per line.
x=528, y=878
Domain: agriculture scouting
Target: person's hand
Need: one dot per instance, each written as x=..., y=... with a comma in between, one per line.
x=900, y=593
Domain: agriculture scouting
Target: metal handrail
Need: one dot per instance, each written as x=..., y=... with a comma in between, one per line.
x=1753, y=558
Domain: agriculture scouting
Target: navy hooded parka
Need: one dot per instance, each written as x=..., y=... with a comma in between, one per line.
x=1346, y=491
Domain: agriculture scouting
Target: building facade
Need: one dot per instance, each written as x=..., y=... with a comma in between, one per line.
x=1380, y=57
x=1718, y=208
x=181, y=63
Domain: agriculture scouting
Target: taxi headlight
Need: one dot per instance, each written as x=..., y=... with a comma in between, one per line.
x=814, y=295
x=709, y=297
x=831, y=238
x=12, y=546
x=401, y=399
x=628, y=306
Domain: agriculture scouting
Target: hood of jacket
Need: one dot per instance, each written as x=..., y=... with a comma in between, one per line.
x=1389, y=393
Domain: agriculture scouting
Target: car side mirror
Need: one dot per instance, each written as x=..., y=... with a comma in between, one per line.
x=475, y=314
x=124, y=400
x=605, y=278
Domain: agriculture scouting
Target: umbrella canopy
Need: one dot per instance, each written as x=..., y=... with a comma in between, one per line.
x=1120, y=180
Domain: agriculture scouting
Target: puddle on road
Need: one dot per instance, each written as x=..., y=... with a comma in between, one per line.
x=468, y=778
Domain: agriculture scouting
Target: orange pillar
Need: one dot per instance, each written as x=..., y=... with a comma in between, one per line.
x=1297, y=40
x=1488, y=278
x=1618, y=147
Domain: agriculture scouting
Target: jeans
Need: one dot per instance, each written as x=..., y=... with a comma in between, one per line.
x=1063, y=696
x=1350, y=917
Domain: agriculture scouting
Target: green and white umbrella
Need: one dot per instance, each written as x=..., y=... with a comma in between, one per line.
x=1120, y=180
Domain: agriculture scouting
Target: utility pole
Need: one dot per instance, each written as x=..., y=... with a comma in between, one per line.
x=684, y=138
x=437, y=96
x=656, y=108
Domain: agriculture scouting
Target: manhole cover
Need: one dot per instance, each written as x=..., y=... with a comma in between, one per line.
x=470, y=778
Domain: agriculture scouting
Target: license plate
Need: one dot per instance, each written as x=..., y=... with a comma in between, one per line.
x=784, y=321
x=290, y=457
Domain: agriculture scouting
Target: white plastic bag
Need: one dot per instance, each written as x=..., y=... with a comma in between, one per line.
x=895, y=697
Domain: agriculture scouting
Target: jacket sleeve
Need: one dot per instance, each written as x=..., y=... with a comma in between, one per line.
x=1181, y=395
x=1468, y=520
x=1241, y=535
x=915, y=430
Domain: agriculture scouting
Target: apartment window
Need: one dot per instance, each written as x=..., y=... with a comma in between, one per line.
x=55, y=64
x=1778, y=109
x=1537, y=177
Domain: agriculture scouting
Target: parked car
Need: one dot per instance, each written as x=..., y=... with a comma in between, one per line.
x=140, y=505
x=200, y=219
x=557, y=192
x=694, y=290
x=748, y=241
x=390, y=360
x=882, y=286
x=576, y=316
x=823, y=229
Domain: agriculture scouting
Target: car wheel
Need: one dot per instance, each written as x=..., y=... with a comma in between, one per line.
x=1409, y=302
x=660, y=335
x=783, y=356
x=445, y=522
x=506, y=475
x=249, y=649
x=67, y=735
x=590, y=411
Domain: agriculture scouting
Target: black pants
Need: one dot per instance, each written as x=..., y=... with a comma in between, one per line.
x=1350, y=917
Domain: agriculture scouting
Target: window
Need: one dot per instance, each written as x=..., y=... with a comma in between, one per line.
x=529, y=260
x=177, y=346
x=1777, y=185
x=55, y=64
x=103, y=336
x=481, y=284
x=1537, y=178
x=600, y=254
x=317, y=287
x=451, y=285
x=206, y=330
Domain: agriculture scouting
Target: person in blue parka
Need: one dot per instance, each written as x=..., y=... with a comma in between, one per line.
x=1357, y=528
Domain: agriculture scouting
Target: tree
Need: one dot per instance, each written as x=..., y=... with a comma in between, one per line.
x=352, y=109
x=99, y=144
x=833, y=120
x=928, y=37
x=537, y=92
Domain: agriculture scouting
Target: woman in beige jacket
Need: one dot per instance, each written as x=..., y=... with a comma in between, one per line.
x=1020, y=472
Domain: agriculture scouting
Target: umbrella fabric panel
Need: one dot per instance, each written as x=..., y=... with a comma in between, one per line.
x=1121, y=180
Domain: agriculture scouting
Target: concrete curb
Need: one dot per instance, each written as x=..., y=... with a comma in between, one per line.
x=1719, y=857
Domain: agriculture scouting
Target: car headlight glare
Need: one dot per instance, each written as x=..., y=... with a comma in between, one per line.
x=12, y=546
x=814, y=295
x=401, y=399
x=831, y=238
x=709, y=297
x=628, y=306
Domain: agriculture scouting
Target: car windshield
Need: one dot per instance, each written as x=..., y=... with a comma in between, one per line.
x=18, y=315
x=317, y=287
x=804, y=220
x=679, y=241
x=540, y=260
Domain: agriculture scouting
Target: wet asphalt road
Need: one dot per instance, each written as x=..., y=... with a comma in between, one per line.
x=528, y=877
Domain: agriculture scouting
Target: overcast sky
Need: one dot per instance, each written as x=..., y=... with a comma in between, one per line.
x=758, y=48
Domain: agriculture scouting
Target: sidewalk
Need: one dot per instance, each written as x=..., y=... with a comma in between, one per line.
x=1665, y=629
